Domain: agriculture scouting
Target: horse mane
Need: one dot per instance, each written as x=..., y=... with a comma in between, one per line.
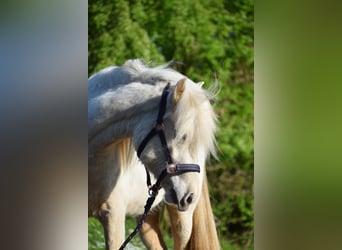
x=203, y=235
x=193, y=109
x=195, y=101
x=126, y=153
x=133, y=70
x=195, y=115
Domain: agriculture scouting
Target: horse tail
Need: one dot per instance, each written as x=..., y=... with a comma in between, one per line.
x=204, y=235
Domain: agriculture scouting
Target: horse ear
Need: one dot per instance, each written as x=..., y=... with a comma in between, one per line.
x=180, y=87
x=200, y=84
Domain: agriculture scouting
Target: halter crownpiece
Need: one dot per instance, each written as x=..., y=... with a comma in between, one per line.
x=171, y=168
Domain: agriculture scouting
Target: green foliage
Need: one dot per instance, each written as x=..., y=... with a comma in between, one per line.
x=210, y=40
x=235, y=137
x=95, y=235
x=114, y=36
x=231, y=190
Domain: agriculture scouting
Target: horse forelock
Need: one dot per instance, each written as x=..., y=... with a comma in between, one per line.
x=195, y=115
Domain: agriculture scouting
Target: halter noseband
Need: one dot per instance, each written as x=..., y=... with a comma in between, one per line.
x=170, y=169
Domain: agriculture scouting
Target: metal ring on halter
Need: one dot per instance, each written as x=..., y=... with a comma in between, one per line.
x=153, y=191
x=159, y=126
x=171, y=168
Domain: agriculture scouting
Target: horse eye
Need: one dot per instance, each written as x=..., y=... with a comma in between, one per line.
x=183, y=137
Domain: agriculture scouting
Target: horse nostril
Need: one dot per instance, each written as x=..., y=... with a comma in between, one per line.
x=185, y=202
x=182, y=203
x=190, y=197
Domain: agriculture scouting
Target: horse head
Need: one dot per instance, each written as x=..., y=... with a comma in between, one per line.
x=188, y=126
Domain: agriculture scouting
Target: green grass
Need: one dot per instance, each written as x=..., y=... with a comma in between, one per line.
x=96, y=238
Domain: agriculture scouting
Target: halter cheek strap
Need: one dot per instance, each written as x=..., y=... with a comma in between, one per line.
x=158, y=126
x=170, y=169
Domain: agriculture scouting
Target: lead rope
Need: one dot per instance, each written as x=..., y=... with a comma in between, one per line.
x=153, y=192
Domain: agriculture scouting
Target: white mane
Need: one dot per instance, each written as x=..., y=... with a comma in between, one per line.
x=115, y=93
x=195, y=115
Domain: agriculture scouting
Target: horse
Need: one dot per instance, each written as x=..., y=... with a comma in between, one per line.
x=123, y=103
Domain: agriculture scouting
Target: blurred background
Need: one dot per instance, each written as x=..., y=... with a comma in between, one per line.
x=209, y=41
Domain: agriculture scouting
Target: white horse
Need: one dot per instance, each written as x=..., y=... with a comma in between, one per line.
x=123, y=104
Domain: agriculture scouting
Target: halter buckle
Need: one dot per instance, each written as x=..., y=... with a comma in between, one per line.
x=171, y=168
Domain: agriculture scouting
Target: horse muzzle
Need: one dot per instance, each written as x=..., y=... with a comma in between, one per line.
x=179, y=199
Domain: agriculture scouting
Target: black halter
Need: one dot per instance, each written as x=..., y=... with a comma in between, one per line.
x=171, y=167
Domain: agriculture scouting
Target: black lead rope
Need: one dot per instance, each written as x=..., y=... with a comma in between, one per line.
x=171, y=168
x=153, y=192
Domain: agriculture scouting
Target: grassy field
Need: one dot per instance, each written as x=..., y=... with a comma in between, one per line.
x=96, y=237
